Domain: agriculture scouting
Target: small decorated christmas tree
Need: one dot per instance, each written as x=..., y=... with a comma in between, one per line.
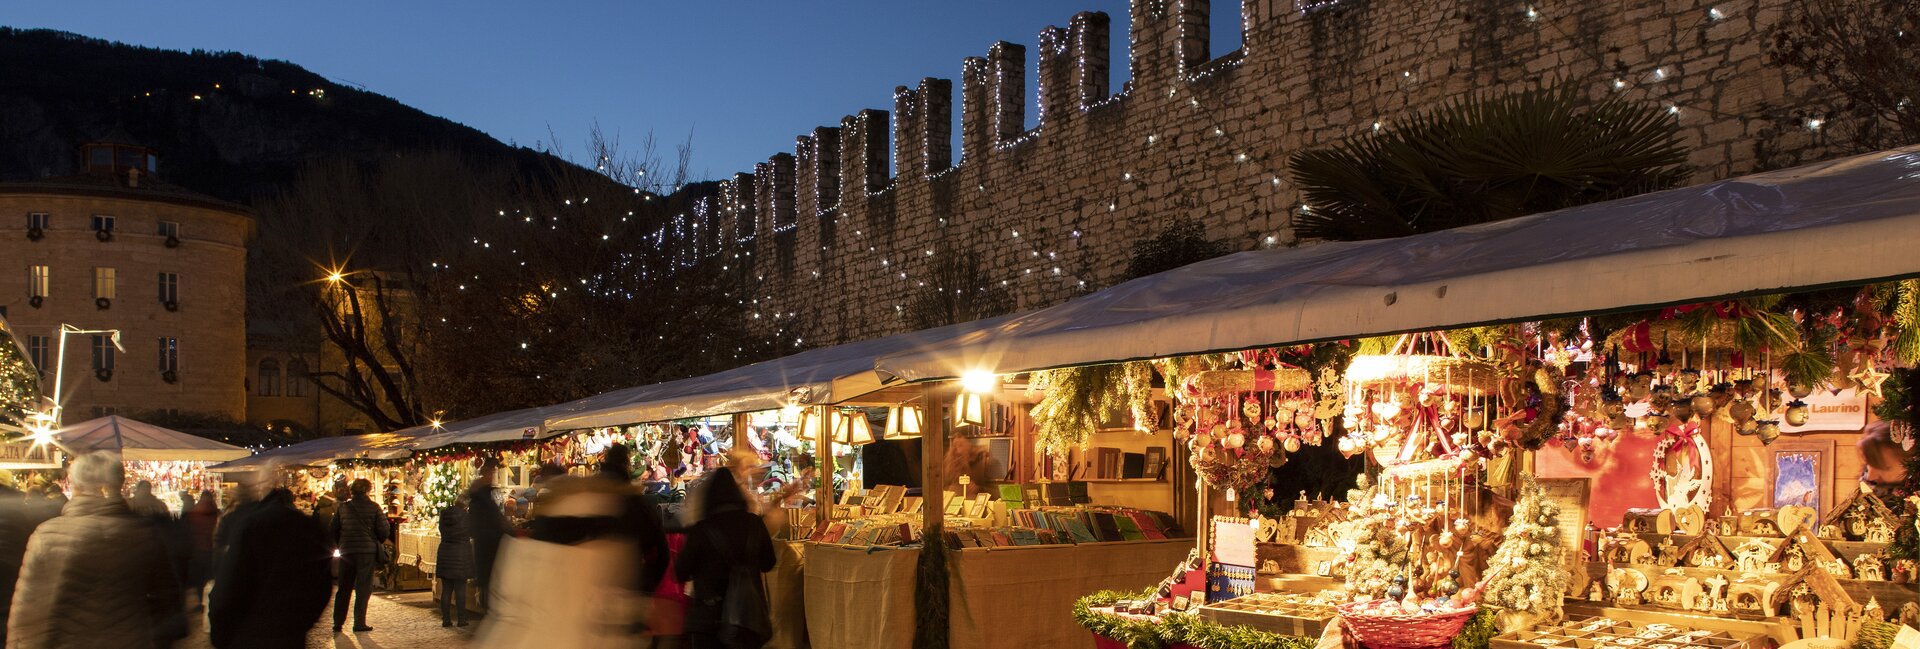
x=1375, y=555
x=440, y=488
x=1528, y=581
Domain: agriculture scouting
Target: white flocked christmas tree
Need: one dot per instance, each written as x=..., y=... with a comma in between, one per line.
x=1529, y=580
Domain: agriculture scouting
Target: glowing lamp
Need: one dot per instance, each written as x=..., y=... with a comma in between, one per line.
x=852, y=428
x=979, y=382
x=903, y=422
x=969, y=408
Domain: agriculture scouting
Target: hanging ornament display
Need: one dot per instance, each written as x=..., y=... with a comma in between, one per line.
x=1409, y=403
x=1239, y=423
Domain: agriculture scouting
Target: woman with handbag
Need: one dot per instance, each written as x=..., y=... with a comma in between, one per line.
x=360, y=531
x=725, y=554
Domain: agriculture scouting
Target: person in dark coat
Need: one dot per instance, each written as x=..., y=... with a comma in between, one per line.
x=455, y=564
x=97, y=575
x=359, y=528
x=727, y=535
x=203, y=527
x=272, y=581
x=640, y=518
x=16, y=526
x=488, y=523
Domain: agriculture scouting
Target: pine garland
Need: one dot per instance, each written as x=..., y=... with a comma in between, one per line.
x=932, y=623
x=1479, y=631
x=1078, y=398
x=1174, y=628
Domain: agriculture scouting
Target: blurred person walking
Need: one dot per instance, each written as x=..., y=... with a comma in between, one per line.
x=455, y=564
x=360, y=531
x=489, y=525
x=725, y=554
x=97, y=575
x=273, y=579
x=570, y=582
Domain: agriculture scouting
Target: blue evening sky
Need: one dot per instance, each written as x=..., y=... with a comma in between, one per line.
x=742, y=77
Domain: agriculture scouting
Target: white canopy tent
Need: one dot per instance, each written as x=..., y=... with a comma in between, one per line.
x=317, y=452
x=138, y=440
x=527, y=423
x=824, y=376
x=1846, y=221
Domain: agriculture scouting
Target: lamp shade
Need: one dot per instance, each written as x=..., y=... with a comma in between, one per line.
x=810, y=425
x=903, y=422
x=969, y=408
x=852, y=428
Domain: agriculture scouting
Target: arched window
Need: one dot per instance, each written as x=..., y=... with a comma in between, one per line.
x=269, y=377
x=297, y=378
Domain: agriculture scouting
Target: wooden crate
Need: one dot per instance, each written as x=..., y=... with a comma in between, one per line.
x=1628, y=629
x=1282, y=613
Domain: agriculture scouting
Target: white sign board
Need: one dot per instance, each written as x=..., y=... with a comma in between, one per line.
x=1843, y=410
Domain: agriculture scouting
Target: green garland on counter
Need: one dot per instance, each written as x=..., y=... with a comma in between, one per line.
x=1174, y=628
x=1479, y=631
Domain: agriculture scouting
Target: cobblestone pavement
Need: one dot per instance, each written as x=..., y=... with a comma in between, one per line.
x=399, y=620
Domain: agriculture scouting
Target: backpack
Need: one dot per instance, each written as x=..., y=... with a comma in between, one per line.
x=744, y=619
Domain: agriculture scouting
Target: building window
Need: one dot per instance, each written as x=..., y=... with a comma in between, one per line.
x=169, y=354
x=102, y=353
x=170, y=288
x=37, y=221
x=39, y=279
x=103, y=223
x=104, y=411
x=104, y=283
x=297, y=378
x=170, y=229
x=269, y=378
x=37, y=347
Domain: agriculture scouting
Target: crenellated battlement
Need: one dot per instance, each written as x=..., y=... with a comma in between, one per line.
x=857, y=215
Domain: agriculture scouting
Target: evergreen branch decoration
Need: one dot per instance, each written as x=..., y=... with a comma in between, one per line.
x=1079, y=398
x=932, y=624
x=1174, y=628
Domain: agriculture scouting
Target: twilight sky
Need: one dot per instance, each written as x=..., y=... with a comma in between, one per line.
x=742, y=77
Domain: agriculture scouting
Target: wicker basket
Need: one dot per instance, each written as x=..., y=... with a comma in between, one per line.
x=1394, y=630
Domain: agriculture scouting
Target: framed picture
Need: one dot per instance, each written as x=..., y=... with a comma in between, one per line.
x=1800, y=472
x=1156, y=462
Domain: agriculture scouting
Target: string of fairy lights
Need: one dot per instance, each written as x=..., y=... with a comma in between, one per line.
x=1041, y=260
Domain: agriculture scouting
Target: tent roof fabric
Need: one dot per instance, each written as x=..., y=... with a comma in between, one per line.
x=325, y=450
x=1846, y=221
x=138, y=440
x=815, y=377
x=528, y=423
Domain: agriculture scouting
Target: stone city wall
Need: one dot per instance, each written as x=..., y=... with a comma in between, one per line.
x=840, y=247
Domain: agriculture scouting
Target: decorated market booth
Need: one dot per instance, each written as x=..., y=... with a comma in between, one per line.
x=173, y=462
x=442, y=466
x=1492, y=437
x=855, y=558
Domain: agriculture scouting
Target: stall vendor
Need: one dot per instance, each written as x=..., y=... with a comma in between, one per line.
x=1886, y=461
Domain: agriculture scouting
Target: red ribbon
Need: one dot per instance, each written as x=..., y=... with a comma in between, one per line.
x=1263, y=380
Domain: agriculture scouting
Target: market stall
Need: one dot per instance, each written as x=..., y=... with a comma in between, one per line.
x=173, y=462
x=864, y=535
x=1448, y=535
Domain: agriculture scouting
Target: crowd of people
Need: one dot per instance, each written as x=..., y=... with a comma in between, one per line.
x=596, y=563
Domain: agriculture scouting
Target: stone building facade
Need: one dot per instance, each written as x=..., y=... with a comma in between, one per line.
x=114, y=249
x=839, y=247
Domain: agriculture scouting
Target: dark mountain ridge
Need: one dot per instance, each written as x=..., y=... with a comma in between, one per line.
x=225, y=124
